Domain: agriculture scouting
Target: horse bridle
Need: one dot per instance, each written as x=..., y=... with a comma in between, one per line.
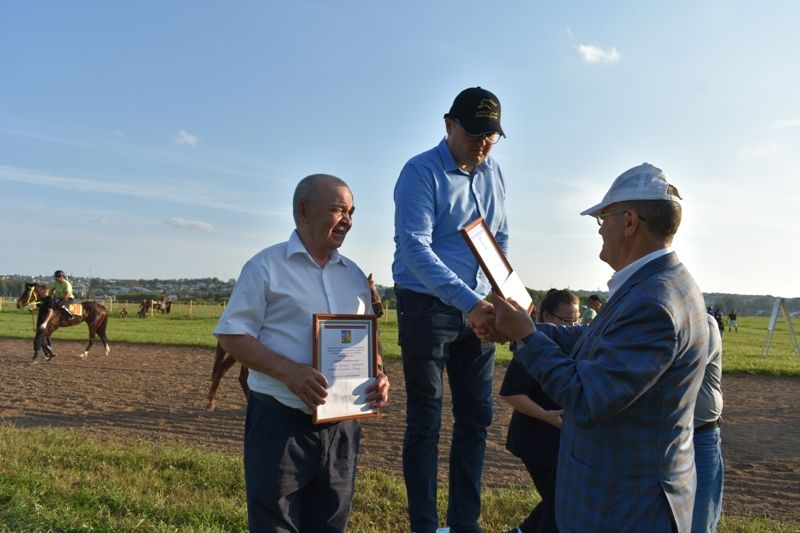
x=33, y=299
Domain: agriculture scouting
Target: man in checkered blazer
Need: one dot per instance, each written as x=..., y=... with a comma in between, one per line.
x=628, y=381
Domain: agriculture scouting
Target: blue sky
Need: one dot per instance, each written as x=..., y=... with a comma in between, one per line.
x=164, y=139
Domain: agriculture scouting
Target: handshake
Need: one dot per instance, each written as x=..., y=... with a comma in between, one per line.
x=500, y=320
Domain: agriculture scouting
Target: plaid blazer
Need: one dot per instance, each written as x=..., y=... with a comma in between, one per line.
x=628, y=383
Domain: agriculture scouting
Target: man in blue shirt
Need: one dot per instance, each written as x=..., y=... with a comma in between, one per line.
x=440, y=293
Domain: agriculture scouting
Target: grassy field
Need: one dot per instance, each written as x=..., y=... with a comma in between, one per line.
x=741, y=351
x=61, y=480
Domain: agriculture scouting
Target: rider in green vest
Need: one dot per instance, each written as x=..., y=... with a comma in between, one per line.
x=62, y=291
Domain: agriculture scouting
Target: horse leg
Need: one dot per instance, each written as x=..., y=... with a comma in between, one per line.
x=88, y=346
x=222, y=363
x=100, y=330
x=243, y=373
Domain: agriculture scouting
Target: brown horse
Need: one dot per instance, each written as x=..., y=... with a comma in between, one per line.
x=51, y=317
x=163, y=306
x=224, y=361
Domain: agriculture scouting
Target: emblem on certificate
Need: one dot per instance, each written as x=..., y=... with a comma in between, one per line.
x=345, y=352
x=494, y=264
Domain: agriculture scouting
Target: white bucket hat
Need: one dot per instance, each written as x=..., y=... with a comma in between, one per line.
x=644, y=182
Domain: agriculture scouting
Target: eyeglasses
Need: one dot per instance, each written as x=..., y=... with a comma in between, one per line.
x=491, y=137
x=602, y=217
x=567, y=321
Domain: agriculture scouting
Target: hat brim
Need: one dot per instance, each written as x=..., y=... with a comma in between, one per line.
x=481, y=127
x=594, y=210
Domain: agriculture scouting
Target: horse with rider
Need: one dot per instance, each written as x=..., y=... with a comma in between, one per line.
x=56, y=308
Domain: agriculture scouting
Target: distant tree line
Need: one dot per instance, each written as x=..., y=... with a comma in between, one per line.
x=744, y=305
x=207, y=290
x=213, y=290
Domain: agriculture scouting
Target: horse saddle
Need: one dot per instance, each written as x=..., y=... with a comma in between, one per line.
x=75, y=308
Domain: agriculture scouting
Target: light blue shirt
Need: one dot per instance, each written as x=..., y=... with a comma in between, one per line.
x=434, y=200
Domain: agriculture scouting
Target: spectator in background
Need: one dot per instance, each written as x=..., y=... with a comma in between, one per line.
x=534, y=431
x=707, y=439
x=732, y=323
x=720, y=318
x=595, y=303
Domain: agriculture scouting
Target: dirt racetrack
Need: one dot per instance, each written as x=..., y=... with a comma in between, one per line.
x=157, y=393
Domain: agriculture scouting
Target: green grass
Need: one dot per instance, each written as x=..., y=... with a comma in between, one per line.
x=179, y=328
x=741, y=351
x=65, y=480
x=61, y=480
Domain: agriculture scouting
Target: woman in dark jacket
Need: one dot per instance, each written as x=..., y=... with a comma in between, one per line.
x=535, y=428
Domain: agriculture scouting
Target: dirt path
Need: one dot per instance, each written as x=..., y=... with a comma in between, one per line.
x=157, y=393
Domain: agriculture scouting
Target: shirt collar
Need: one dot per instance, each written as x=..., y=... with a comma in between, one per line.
x=622, y=275
x=450, y=164
x=295, y=246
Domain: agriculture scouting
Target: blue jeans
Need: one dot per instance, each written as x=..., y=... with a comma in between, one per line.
x=434, y=336
x=710, y=479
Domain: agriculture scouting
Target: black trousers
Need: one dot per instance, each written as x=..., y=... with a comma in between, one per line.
x=543, y=517
x=299, y=476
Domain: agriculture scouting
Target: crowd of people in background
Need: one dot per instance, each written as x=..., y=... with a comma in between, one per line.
x=719, y=317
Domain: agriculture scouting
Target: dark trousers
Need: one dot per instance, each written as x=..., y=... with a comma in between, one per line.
x=543, y=517
x=299, y=476
x=434, y=336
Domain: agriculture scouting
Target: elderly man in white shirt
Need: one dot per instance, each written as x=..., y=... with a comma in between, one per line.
x=299, y=475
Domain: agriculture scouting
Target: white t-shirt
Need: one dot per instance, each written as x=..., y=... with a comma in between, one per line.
x=275, y=297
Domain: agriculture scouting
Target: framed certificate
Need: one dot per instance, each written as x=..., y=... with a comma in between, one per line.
x=494, y=264
x=346, y=352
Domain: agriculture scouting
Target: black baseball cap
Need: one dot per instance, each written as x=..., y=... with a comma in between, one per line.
x=477, y=110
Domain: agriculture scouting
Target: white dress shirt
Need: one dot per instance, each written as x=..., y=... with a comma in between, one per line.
x=622, y=275
x=275, y=297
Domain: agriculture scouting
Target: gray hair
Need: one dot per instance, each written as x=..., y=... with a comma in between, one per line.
x=661, y=217
x=308, y=190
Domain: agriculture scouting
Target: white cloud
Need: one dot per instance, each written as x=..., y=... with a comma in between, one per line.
x=192, y=224
x=785, y=123
x=162, y=189
x=594, y=54
x=760, y=150
x=184, y=137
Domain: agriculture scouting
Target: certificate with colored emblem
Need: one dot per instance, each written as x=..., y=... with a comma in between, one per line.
x=493, y=262
x=345, y=352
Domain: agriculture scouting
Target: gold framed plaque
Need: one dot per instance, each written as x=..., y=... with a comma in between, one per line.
x=346, y=353
x=493, y=262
